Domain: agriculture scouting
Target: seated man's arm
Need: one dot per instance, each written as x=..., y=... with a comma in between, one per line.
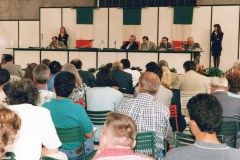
x=46, y=151
x=89, y=135
x=154, y=46
x=170, y=45
x=86, y=123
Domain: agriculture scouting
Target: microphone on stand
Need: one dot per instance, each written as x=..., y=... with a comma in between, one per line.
x=101, y=43
x=115, y=44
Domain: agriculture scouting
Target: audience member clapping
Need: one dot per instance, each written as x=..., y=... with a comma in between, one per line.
x=4, y=79
x=55, y=68
x=29, y=71
x=234, y=84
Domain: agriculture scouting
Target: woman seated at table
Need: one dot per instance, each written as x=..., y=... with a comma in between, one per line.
x=234, y=84
x=103, y=97
x=80, y=88
x=63, y=36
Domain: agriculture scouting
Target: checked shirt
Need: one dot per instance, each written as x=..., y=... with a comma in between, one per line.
x=149, y=115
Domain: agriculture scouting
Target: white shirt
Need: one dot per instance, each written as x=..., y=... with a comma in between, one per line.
x=37, y=129
x=135, y=75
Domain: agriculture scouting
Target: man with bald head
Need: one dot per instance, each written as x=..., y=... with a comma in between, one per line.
x=86, y=76
x=191, y=46
x=124, y=79
x=149, y=114
x=236, y=67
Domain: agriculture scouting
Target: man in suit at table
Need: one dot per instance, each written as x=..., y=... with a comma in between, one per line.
x=56, y=44
x=230, y=105
x=147, y=45
x=131, y=44
x=164, y=44
x=124, y=79
x=191, y=46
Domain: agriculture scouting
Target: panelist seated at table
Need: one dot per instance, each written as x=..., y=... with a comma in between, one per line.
x=147, y=45
x=131, y=44
x=164, y=44
x=56, y=44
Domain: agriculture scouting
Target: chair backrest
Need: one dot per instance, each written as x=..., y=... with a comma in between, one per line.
x=182, y=139
x=229, y=128
x=82, y=102
x=98, y=117
x=146, y=141
x=186, y=95
x=173, y=114
x=9, y=156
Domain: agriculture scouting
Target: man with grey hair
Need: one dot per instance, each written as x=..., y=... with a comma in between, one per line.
x=236, y=67
x=230, y=105
x=41, y=74
x=131, y=44
x=149, y=114
x=124, y=79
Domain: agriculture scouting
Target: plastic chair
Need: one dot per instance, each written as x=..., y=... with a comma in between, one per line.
x=145, y=141
x=173, y=114
x=82, y=102
x=70, y=135
x=9, y=156
x=98, y=117
x=229, y=128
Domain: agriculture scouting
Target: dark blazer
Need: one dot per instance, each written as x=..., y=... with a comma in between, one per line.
x=124, y=80
x=195, y=45
x=134, y=46
x=65, y=37
x=169, y=45
x=87, y=78
x=217, y=40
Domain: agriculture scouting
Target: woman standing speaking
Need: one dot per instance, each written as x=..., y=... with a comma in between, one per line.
x=216, y=38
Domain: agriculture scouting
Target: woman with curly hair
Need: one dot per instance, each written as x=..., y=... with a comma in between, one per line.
x=234, y=84
x=10, y=124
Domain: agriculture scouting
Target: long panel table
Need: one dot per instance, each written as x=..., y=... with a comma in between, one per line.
x=95, y=57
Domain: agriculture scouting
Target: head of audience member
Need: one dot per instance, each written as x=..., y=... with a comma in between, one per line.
x=10, y=124
x=233, y=81
x=219, y=84
x=132, y=39
x=166, y=79
x=104, y=78
x=41, y=74
x=117, y=65
x=62, y=30
x=217, y=28
x=55, y=39
x=190, y=41
x=126, y=63
x=64, y=84
x=23, y=91
x=72, y=69
x=189, y=65
x=46, y=62
x=29, y=71
x=55, y=67
x=145, y=39
x=164, y=40
x=8, y=58
x=205, y=117
x=236, y=67
x=4, y=77
x=163, y=63
x=109, y=66
x=77, y=63
x=119, y=131
x=151, y=66
x=149, y=83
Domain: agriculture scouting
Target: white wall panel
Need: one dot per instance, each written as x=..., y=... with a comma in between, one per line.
x=115, y=27
x=32, y=57
x=165, y=23
x=201, y=32
x=110, y=57
x=8, y=36
x=100, y=27
x=228, y=18
x=60, y=56
x=88, y=59
x=69, y=22
x=28, y=34
x=50, y=19
x=149, y=23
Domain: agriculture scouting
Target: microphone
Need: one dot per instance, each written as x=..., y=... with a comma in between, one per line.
x=101, y=43
x=115, y=43
x=91, y=40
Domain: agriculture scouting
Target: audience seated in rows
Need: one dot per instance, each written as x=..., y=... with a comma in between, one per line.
x=118, y=138
x=46, y=62
x=175, y=78
x=205, y=117
x=37, y=127
x=236, y=67
x=29, y=71
x=87, y=77
x=192, y=81
x=103, y=97
x=66, y=114
x=10, y=124
x=135, y=74
x=81, y=88
x=41, y=74
x=13, y=69
x=149, y=114
x=230, y=105
x=234, y=84
x=55, y=68
x=4, y=79
x=124, y=79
